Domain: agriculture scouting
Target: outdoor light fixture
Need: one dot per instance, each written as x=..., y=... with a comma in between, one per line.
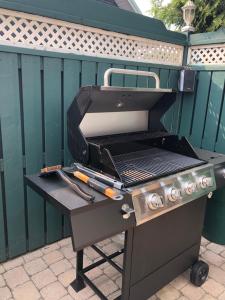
x=188, y=16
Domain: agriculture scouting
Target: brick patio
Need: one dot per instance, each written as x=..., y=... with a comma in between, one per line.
x=47, y=273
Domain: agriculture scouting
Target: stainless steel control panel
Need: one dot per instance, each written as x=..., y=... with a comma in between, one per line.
x=165, y=194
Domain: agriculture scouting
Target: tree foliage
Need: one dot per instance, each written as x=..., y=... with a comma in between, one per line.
x=210, y=14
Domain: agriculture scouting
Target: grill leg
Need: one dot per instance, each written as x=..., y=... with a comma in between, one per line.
x=127, y=265
x=78, y=284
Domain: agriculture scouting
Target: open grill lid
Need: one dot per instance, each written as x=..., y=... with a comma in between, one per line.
x=99, y=99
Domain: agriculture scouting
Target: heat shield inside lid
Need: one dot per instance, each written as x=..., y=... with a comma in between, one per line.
x=112, y=99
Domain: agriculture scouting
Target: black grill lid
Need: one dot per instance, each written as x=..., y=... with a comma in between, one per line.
x=100, y=99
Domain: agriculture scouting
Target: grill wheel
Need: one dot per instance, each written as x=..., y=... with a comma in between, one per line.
x=199, y=273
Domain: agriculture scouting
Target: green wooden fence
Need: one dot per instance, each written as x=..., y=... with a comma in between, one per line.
x=202, y=114
x=36, y=90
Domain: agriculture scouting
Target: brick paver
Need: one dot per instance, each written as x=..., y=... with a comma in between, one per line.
x=46, y=274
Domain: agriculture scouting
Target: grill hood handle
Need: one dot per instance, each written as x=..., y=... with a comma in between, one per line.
x=110, y=71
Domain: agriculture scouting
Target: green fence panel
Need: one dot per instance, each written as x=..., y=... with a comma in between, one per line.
x=3, y=254
x=101, y=68
x=12, y=148
x=220, y=140
x=53, y=135
x=71, y=84
x=213, y=110
x=201, y=99
x=33, y=141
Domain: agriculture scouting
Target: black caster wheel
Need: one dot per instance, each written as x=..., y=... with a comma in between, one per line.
x=199, y=273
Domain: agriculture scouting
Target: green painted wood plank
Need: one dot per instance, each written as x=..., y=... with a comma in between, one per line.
x=101, y=68
x=130, y=80
x=117, y=79
x=164, y=77
x=204, y=79
x=12, y=153
x=2, y=228
x=53, y=135
x=169, y=115
x=187, y=113
x=151, y=81
x=220, y=141
x=71, y=85
x=142, y=81
x=88, y=73
x=31, y=87
x=207, y=38
x=71, y=80
x=213, y=111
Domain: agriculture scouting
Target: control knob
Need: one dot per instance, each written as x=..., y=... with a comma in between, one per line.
x=205, y=182
x=173, y=194
x=154, y=201
x=190, y=188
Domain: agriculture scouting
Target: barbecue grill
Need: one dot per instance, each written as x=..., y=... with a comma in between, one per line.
x=165, y=180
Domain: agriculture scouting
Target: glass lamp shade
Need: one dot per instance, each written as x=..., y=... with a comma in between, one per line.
x=189, y=13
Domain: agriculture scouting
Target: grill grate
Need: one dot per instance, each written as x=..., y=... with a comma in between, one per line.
x=145, y=165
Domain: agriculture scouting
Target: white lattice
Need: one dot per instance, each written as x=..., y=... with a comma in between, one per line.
x=207, y=55
x=26, y=30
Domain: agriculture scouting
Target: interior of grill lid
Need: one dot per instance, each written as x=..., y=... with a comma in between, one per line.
x=102, y=150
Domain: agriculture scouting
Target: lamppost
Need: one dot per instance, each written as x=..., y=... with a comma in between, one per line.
x=188, y=16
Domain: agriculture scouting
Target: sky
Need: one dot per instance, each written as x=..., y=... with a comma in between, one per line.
x=145, y=5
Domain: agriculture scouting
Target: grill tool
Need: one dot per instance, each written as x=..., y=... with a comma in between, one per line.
x=99, y=176
x=58, y=170
x=95, y=184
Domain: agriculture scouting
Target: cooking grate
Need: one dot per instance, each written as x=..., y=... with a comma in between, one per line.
x=136, y=167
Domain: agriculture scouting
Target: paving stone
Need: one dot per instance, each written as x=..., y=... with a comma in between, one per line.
x=91, y=253
x=2, y=270
x=53, y=291
x=65, y=242
x=111, y=248
x=215, y=248
x=50, y=248
x=26, y=291
x=213, y=288
x=104, y=243
x=223, y=254
x=95, y=298
x=217, y=274
x=43, y=278
x=119, y=282
x=67, y=277
x=182, y=298
x=2, y=281
x=95, y=273
x=82, y=295
x=67, y=297
x=53, y=257
x=114, y=295
x=179, y=282
x=106, y=285
x=192, y=292
x=32, y=255
x=110, y=272
x=60, y=266
x=5, y=293
x=222, y=296
x=213, y=258
x=204, y=241
x=15, y=277
x=13, y=263
x=35, y=266
x=68, y=252
x=168, y=293
x=207, y=297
